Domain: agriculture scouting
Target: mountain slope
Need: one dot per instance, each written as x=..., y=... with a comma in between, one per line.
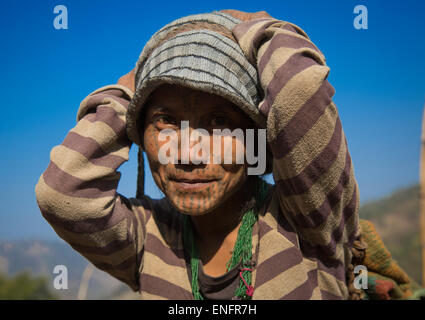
x=396, y=219
x=39, y=257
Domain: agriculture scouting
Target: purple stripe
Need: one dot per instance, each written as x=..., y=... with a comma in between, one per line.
x=325, y=263
x=259, y=38
x=166, y=215
x=137, y=236
x=256, y=40
x=277, y=264
x=119, y=212
x=302, y=121
x=337, y=233
x=99, y=98
x=304, y=291
x=116, y=94
x=146, y=205
x=284, y=40
x=294, y=65
x=110, y=268
x=240, y=29
x=353, y=236
x=264, y=228
x=173, y=257
x=109, y=249
x=312, y=173
x=329, y=296
x=321, y=214
x=160, y=287
x=285, y=229
x=69, y=185
x=108, y=115
x=90, y=149
x=139, y=257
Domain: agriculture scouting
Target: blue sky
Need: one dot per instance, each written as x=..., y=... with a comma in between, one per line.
x=378, y=74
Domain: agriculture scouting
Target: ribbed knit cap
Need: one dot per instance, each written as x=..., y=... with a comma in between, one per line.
x=200, y=58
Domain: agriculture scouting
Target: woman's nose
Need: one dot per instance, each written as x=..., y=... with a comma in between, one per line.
x=193, y=146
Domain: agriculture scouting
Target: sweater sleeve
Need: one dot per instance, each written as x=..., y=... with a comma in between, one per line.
x=77, y=192
x=312, y=167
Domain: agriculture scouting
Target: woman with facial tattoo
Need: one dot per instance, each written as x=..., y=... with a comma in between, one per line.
x=219, y=232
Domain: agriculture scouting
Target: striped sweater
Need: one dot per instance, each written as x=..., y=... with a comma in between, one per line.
x=303, y=237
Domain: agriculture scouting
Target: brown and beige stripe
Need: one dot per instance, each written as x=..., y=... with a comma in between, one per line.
x=301, y=242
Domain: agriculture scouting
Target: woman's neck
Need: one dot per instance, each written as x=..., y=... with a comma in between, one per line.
x=215, y=233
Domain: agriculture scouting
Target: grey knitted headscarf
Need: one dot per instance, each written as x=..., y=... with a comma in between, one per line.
x=192, y=52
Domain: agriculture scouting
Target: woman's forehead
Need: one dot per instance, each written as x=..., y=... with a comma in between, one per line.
x=182, y=99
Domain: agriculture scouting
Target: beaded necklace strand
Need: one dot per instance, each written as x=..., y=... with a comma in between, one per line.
x=242, y=250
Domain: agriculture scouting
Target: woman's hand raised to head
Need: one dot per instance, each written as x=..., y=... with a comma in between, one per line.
x=313, y=171
x=77, y=194
x=128, y=80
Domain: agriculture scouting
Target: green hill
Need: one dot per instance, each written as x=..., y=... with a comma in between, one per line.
x=396, y=219
x=37, y=258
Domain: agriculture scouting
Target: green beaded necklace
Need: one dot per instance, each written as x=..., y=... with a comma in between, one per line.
x=242, y=250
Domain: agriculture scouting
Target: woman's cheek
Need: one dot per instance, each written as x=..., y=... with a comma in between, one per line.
x=151, y=144
x=227, y=150
x=151, y=148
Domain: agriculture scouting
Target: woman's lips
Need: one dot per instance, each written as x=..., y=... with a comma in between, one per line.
x=191, y=185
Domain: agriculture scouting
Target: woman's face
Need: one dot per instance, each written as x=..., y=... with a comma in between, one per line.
x=194, y=189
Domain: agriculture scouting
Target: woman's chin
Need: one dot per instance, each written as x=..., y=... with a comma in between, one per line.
x=193, y=209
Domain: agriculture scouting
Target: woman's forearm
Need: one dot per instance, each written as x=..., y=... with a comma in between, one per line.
x=312, y=166
x=77, y=192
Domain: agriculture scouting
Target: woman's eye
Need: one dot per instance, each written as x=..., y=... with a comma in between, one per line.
x=218, y=121
x=164, y=119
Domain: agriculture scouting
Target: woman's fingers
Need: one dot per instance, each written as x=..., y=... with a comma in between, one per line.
x=128, y=80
